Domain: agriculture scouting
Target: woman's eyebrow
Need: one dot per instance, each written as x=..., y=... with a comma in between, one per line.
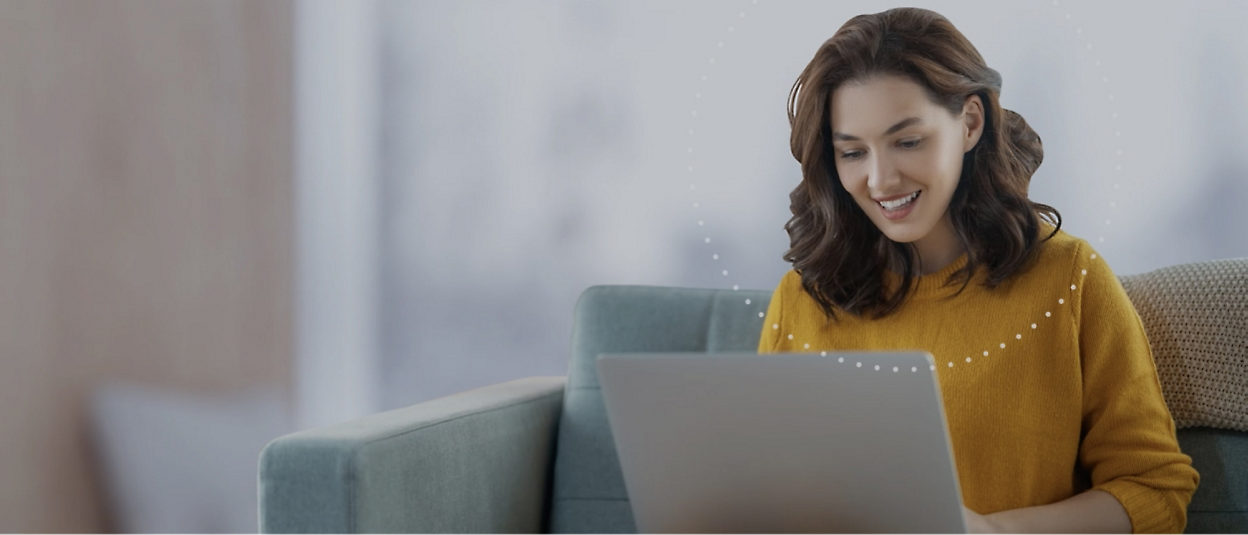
x=838, y=136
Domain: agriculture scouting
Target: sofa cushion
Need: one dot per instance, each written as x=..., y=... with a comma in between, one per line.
x=1220, y=504
x=1196, y=317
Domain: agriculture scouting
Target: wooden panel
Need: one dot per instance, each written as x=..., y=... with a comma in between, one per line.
x=146, y=223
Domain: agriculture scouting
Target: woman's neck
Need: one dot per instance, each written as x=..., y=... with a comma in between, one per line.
x=938, y=248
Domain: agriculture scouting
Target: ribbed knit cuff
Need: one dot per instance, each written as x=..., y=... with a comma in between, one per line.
x=1149, y=510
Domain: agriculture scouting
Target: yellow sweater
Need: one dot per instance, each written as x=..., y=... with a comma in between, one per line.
x=1048, y=382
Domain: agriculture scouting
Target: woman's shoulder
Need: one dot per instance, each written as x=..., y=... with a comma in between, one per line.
x=790, y=283
x=1063, y=248
x=791, y=292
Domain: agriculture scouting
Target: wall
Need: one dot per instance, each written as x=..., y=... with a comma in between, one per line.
x=145, y=223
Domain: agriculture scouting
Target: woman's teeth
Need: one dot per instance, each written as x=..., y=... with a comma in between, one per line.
x=895, y=204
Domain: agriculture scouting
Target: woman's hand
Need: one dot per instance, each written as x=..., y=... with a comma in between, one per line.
x=977, y=523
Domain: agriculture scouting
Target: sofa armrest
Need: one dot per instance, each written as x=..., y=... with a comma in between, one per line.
x=479, y=461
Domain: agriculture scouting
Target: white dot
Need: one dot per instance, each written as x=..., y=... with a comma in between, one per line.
x=1117, y=132
x=1054, y=2
x=747, y=301
x=1002, y=346
x=1115, y=185
x=1079, y=31
x=877, y=367
x=823, y=353
x=894, y=369
x=805, y=346
x=840, y=359
x=1018, y=336
x=707, y=240
x=968, y=359
x=1068, y=16
x=1084, y=272
x=760, y=314
x=933, y=367
x=731, y=29
x=1101, y=239
x=701, y=222
x=741, y=14
x=712, y=61
x=1111, y=96
x=695, y=205
x=697, y=95
x=725, y=273
x=735, y=287
x=914, y=369
x=1061, y=301
x=691, y=133
x=1094, y=256
x=790, y=337
x=1098, y=63
x=693, y=113
x=775, y=326
x=1104, y=79
x=1113, y=205
x=950, y=364
x=1115, y=115
x=703, y=77
x=859, y=364
x=721, y=44
x=985, y=353
x=690, y=149
x=1089, y=46
x=714, y=257
x=692, y=187
x=690, y=168
x=1072, y=286
x=1033, y=326
x=1047, y=314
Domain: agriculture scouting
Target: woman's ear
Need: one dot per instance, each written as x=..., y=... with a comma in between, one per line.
x=972, y=122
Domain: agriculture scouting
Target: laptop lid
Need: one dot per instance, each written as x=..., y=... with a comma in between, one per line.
x=740, y=442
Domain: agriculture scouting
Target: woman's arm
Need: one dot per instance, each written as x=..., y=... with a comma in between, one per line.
x=1093, y=511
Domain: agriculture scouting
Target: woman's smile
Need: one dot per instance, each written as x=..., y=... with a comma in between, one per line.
x=900, y=207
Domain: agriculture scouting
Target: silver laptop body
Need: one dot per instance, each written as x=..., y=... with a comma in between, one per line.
x=851, y=442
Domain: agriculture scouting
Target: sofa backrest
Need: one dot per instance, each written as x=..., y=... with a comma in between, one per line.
x=588, y=493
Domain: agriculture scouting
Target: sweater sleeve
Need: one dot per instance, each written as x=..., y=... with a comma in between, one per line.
x=770, y=337
x=1129, y=444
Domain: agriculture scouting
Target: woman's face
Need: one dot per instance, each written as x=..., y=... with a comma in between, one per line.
x=900, y=156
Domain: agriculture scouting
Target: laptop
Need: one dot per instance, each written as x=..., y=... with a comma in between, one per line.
x=835, y=442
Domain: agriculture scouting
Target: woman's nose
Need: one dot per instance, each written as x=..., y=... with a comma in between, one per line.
x=882, y=177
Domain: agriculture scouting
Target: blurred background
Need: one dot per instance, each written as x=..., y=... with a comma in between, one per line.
x=224, y=221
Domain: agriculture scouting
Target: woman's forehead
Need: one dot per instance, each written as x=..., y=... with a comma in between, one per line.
x=875, y=108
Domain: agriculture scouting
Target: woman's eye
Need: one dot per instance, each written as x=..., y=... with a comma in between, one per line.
x=911, y=144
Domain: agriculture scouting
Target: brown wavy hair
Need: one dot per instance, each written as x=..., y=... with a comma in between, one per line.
x=839, y=253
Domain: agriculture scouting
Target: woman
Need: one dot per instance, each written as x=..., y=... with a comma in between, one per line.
x=912, y=229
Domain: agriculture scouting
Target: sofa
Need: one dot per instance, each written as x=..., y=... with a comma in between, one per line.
x=536, y=454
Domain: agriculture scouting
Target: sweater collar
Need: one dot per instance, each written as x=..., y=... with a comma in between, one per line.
x=932, y=284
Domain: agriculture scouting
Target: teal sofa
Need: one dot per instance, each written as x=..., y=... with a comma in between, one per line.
x=536, y=454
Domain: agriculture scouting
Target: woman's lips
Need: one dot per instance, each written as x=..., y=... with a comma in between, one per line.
x=894, y=215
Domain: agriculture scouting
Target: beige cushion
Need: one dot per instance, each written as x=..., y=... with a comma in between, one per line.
x=1196, y=317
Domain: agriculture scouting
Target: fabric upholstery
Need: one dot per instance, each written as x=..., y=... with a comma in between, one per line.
x=476, y=462
x=589, y=494
x=1196, y=316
